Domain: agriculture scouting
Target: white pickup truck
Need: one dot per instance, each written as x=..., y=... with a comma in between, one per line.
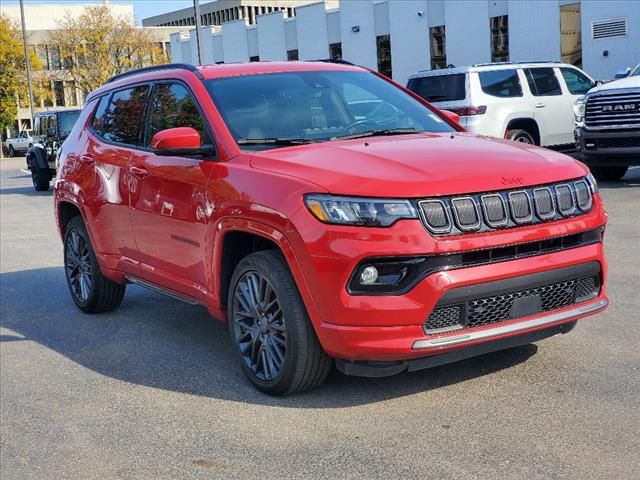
x=21, y=143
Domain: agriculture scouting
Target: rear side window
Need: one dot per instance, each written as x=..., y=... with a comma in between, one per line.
x=118, y=118
x=440, y=88
x=577, y=83
x=36, y=126
x=543, y=82
x=173, y=106
x=501, y=83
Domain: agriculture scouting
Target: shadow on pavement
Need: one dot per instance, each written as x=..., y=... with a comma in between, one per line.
x=28, y=191
x=162, y=343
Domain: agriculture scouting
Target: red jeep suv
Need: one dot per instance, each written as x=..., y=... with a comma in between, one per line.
x=328, y=215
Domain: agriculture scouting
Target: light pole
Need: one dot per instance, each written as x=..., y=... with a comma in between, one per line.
x=196, y=9
x=28, y=62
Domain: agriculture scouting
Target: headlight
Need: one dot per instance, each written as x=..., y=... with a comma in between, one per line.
x=579, y=108
x=593, y=185
x=370, y=212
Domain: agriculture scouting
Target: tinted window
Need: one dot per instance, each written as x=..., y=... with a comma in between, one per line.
x=118, y=118
x=36, y=126
x=442, y=88
x=66, y=121
x=317, y=105
x=543, y=81
x=52, y=124
x=501, y=83
x=173, y=106
x=577, y=83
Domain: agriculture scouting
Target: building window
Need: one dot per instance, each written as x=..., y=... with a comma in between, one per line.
x=58, y=91
x=571, y=34
x=72, y=94
x=41, y=52
x=255, y=58
x=54, y=58
x=499, y=38
x=292, y=55
x=335, y=51
x=383, y=44
x=438, y=42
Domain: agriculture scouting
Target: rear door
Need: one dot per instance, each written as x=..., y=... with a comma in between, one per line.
x=549, y=106
x=169, y=205
x=115, y=135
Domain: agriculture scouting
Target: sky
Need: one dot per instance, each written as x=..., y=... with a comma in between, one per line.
x=142, y=8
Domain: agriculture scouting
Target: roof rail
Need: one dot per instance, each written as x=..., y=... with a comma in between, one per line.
x=332, y=60
x=511, y=63
x=166, y=66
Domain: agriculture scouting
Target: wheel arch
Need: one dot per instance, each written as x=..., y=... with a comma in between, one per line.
x=525, y=123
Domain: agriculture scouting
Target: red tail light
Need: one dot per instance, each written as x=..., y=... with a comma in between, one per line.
x=469, y=111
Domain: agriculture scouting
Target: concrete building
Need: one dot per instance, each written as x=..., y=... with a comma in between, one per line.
x=40, y=21
x=400, y=37
x=222, y=11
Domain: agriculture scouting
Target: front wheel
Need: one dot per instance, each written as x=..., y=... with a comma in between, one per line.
x=270, y=329
x=12, y=152
x=90, y=290
x=609, y=173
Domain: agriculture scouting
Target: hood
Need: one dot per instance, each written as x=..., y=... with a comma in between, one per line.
x=628, y=82
x=420, y=165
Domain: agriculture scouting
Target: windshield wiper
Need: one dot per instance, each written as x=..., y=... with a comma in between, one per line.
x=384, y=132
x=274, y=141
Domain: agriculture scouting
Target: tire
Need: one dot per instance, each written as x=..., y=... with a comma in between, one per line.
x=271, y=332
x=40, y=178
x=521, y=136
x=12, y=152
x=609, y=173
x=90, y=290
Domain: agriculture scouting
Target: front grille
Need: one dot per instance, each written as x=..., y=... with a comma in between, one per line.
x=491, y=309
x=511, y=208
x=613, y=109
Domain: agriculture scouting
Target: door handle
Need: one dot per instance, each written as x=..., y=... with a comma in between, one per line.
x=88, y=159
x=138, y=172
x=540, y=105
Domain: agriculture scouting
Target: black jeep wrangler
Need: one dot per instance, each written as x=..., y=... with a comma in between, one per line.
x=50, y=129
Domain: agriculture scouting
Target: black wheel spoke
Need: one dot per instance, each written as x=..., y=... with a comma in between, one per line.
x=78, y=265
x=258, y=326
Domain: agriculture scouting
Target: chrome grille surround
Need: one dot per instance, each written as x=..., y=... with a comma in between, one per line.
x=466, y=213
x=613, y=109
x=481, y=212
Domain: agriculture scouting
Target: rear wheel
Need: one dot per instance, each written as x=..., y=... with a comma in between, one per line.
x=270, y=329
x=90, y=290
x=40, y=178
x=609, y=173
x=521, y=136
x=12, y=152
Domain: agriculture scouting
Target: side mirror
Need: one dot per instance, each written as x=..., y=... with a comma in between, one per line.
x=623, y=73
x=454, y=117
x=179, y=142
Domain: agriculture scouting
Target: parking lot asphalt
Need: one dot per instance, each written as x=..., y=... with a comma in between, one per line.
x=151, y=391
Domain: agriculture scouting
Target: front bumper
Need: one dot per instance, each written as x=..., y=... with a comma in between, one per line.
x=608, y=148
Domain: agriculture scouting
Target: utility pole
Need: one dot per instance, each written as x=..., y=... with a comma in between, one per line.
x=196, y=9
x=26, y=56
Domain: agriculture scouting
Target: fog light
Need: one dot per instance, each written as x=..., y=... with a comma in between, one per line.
x=369, y=276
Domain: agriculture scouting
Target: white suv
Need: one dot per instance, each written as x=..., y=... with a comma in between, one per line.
x=525, y=102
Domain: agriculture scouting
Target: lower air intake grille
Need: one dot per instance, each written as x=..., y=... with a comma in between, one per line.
x=492, y=309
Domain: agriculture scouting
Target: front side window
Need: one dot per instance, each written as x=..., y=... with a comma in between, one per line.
x=542, y=82
x=440, y=88
x=118, y=118
x=316, y=106
x=576, y=81
x=501, y=83
x=173, y=106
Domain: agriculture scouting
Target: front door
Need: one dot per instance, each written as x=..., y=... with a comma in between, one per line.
x=169, y=206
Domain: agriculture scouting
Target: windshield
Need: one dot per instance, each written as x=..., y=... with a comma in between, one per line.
x=66, y=120
x=279, y=109
x=636, y=72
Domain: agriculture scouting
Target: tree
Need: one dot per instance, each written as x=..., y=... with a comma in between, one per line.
x=98, y=45
x=13, y=80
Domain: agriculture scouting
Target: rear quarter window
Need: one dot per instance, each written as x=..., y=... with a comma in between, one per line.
x=440, y=88
x=501, y=83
